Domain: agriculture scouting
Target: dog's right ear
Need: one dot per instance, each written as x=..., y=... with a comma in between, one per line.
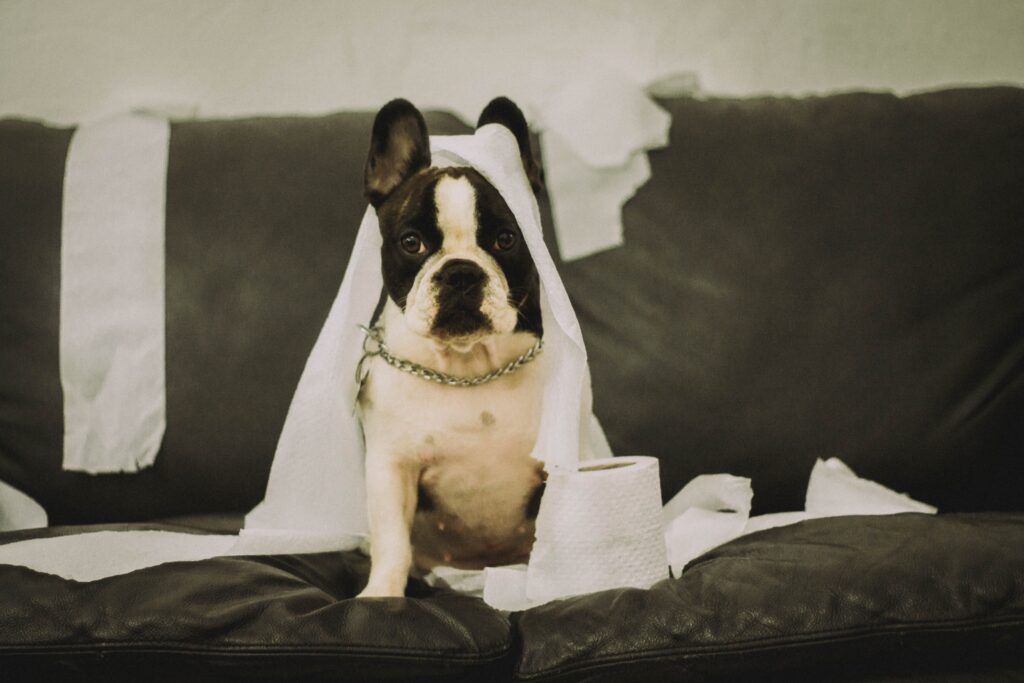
x=503, y=111
x=399, y=147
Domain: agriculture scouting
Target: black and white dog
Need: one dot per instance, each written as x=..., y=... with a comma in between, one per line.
x=449, y=475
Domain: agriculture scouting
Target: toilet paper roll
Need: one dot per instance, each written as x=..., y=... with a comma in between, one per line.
x=599, y=527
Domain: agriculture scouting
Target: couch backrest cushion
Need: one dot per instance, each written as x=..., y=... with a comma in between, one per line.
x=802, y=278
x=836, y=276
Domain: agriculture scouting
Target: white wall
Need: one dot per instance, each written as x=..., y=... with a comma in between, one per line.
x=73, y=60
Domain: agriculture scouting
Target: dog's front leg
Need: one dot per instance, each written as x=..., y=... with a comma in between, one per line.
x=391, y=499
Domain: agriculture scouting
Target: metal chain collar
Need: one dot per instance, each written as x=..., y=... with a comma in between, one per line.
x=376, y=335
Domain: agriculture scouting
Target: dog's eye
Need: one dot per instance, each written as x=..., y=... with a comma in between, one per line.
x=505, y=240
x=412, y=243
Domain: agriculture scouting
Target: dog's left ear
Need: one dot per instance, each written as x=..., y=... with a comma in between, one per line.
x=399, y=147
x=504, y=111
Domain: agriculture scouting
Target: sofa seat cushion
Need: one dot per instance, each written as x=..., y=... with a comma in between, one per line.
x=242, y=618
x=845, y=598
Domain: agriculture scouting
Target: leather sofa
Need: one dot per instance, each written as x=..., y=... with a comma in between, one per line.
x=801, y=278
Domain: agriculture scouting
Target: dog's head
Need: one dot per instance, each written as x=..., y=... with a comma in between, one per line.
x=453, y=256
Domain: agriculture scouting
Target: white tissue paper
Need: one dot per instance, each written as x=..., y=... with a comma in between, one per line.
x=595, y=135
x=471, y=581
x=505, y=588
x=18, y=510
x=709, y=511
x=112, y=294
x=91, y=556
x=315, y=498
x=835, y=490
x=714, y=509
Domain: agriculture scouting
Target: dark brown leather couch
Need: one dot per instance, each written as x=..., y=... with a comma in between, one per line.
x=802, y=278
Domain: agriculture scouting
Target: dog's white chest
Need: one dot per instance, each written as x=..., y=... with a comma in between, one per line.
x=471, y=445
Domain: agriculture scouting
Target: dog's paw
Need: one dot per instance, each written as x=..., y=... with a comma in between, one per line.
x=384, y=589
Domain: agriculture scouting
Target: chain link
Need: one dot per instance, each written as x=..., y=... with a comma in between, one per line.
x=376, y=335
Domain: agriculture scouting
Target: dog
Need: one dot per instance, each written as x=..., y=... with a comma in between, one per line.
x=449, y=477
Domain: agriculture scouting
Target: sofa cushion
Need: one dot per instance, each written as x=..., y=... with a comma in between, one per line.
x=845, y=598
x=243, y=618
x=826, y=276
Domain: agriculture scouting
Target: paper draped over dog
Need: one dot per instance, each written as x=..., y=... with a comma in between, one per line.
x=316, y=481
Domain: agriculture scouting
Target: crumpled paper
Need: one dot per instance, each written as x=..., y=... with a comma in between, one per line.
x=707, y=512
x=714, y=509
x=595, y=135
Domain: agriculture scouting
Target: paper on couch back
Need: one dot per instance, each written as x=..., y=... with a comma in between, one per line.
x=112, y=294
x=315, y=494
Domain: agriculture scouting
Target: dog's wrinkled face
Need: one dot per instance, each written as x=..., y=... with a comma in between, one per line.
x=453, y=256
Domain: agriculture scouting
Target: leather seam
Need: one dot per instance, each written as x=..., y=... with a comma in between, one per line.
x=769, y=643
x=171, y=647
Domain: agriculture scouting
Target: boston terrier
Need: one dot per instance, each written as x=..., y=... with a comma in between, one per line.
x=453, y=374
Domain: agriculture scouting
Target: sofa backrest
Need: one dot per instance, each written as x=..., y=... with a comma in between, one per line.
x=802, y=278
x=835, y=276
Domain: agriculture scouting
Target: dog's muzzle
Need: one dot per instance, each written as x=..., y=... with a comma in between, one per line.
x=460, y=287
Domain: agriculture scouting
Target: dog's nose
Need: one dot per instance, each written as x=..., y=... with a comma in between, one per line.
x=461, y=275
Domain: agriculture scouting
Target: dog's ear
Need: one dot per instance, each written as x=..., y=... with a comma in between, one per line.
x=504, y=111
x=399, y=147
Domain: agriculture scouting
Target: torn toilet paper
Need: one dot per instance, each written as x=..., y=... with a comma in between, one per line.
x=112, y=294
x=711, y=510
x=595, y=133
x=707, y=512
x=835, y=490
x=18, y=510
x=714, y=509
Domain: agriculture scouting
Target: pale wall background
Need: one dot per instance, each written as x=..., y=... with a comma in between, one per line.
x=73, y=60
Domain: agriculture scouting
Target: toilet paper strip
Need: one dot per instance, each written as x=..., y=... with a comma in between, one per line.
x=596, y=131
x=709, y=511
x=90, y=556
x=586, y=201
x=606, y=117
x=112, y=294
x=712, y=492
